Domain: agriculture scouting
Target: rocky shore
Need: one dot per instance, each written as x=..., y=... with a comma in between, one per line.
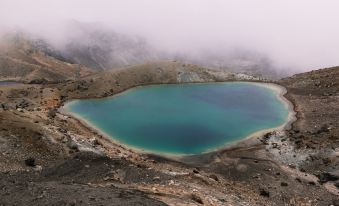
x=49, y=158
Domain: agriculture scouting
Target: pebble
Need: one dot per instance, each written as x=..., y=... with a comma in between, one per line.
x=264, y=193
x=37, y=168
x=197, y=198
x=284, y=184
x=156, y=178
x=30, y=162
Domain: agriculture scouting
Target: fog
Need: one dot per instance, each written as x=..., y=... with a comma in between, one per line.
x=299, y=35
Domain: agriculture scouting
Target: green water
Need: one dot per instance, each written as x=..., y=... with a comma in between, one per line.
x=186, y=118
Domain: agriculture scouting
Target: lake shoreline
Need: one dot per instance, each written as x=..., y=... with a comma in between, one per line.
x=247, y=141
x=254, y=138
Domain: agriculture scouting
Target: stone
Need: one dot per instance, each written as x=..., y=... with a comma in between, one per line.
x=72, y=145
x=292, y=166
x=311, y=183
x=195, y=171
x=171, y=182
x=284, y=184
x=323, y=128
x=30, y=162
x=264, y=193
x=214, y=177
x=94, y=141
x=274, y=145
x=197, y=198
x=52, y=113
x=37, y=168
x=327, y=176
x=298, y=179
x=326, y=161
x=38, y=81
x=302, y=170
x=156, y=178
x=22, y=104
x=335, y=202
x=296, y=130
x=62, y=130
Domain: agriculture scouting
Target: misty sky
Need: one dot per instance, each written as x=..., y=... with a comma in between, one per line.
x=296, y=33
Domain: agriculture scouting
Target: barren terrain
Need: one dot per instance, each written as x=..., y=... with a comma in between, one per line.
x=49, y=158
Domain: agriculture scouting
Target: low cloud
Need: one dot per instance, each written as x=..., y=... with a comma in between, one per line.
x=300, y=35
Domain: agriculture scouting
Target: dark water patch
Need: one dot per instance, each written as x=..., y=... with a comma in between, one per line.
x=8, y=83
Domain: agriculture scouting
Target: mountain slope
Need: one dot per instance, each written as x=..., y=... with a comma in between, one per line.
x=110, y=82
x=26, y=59
x=315, y=135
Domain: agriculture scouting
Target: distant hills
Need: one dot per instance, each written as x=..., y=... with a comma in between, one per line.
x=85, y=49
x=100, y=48
x=237, y=61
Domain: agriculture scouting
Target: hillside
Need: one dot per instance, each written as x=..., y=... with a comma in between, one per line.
x=161, y=72
x=318, y=82
x=238, y=61
x=24, y=58
x=316, y=132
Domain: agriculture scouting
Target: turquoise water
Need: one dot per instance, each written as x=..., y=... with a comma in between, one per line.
x=184, y=118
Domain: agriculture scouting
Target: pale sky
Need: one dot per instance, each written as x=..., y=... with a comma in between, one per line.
x=300, y=33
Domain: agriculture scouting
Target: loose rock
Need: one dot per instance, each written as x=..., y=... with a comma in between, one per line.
x=197, y=199
x=30, y=162
x=264, y=193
